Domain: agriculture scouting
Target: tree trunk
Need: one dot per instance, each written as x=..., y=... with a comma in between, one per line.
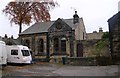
x=20, y=27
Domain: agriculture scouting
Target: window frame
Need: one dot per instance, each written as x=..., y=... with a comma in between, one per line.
x=24, y=53
x=14, y=52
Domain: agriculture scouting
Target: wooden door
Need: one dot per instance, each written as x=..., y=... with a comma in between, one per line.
x=79, y=50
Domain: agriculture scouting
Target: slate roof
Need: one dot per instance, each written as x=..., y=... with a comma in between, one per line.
x=70, y=23
x=41, y=27
x=13, y=41
x=38, y=28
x=114, y=19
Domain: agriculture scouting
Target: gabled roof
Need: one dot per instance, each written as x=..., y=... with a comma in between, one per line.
x=70, y=23
x=41, y=27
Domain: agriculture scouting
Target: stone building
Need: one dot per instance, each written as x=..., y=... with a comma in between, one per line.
x=55, y=39
x=114, y=30
x=95, y=35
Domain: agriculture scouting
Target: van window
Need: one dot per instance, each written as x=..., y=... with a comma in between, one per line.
x=25, y=52
x=14, y=52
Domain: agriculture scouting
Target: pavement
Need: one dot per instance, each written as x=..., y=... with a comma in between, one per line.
x=88, y=71
x=48, y=69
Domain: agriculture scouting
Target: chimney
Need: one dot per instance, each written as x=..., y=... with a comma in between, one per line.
x=100, y=29
x=75, y=18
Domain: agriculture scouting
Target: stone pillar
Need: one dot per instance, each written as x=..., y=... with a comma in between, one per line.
x=33, y=45
x=59, y=42
x=36, y=45
x=75, y=48
x=68, y=46
x=51, y=46
x=45, y=48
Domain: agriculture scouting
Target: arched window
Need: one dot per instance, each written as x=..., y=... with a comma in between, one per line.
x=40, y=45
x=56, y=44
x=27, y=43
x=63, y=44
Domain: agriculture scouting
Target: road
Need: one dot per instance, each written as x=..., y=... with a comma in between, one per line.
x=47, y=69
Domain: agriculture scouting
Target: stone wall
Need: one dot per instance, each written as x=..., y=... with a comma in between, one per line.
x=91, y=48
x=34, y=42
x=114, y=31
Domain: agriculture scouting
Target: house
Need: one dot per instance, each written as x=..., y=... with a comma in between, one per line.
x=114, y=30
x=55, y=39
x=95, y=35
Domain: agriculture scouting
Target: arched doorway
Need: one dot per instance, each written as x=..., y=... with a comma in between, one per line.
x=79, y=50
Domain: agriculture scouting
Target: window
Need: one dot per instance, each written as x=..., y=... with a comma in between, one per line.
x=41, y=45
x=27, y=43
x=63, y=45
x=25, y=52
x=14, y=52
x=56, y=44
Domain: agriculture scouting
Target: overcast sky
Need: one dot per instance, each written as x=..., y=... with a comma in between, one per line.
x=95, y=14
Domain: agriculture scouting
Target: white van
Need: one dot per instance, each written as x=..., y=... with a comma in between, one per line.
x=3, y=53
x=18, y=54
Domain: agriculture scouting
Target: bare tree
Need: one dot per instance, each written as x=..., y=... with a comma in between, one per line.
x=26, y=12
